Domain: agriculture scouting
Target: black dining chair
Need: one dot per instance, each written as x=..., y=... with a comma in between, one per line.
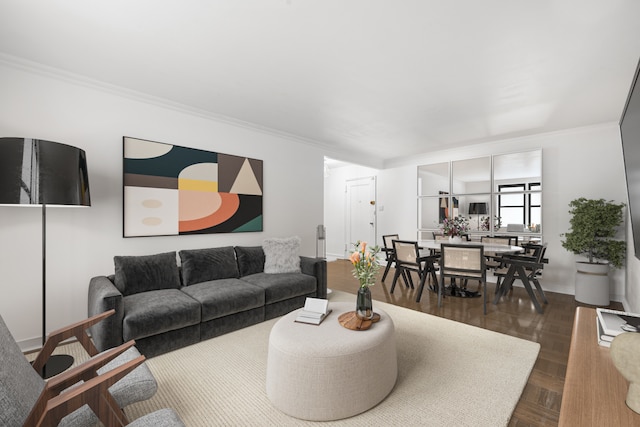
x=495, y=261
x=389, y=253
x=408, y=260
x=527, y=268
x=463, y=262
x=513, y=240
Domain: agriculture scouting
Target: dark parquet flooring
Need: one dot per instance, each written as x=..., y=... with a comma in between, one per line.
x=514, y=315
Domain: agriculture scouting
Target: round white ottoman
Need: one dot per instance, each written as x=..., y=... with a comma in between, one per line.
x=328, y=372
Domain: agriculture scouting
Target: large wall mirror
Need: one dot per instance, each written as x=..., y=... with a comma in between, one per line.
x=499, y=194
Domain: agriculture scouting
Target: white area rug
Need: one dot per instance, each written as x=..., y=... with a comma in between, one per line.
x=449, y=374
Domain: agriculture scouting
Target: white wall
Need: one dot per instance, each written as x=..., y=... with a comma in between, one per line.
x=335, y=185
x=585, y=162
x=81, y=243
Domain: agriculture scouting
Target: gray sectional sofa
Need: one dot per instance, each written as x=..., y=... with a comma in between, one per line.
x=214, y=291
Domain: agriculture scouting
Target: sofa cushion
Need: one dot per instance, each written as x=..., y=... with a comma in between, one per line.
x=135, y=274
x=281, y=255
x=202, y=265
x=279, y=287
x=223, y=297
x=250, y=259
x=154, y=312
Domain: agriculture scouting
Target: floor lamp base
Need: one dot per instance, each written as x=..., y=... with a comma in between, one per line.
x=56, y=364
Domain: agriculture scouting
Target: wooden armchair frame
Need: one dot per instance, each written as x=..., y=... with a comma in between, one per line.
x=77, y=330
x=53, y=405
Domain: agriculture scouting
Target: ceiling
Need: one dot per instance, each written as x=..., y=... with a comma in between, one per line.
x=369, y=80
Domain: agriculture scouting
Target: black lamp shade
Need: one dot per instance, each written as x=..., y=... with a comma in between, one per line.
x=477, y=208
x=37, y=172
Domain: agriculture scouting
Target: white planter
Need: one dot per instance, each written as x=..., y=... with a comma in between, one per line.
x=455, y=240
x=592, y=283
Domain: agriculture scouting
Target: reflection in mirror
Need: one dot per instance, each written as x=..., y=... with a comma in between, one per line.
x=512, y=205
x=471, y=176
x=477, y=209
x=431, y=211
x=426, y=235
x=517, y=167
x=518, y=212
x=433, y=179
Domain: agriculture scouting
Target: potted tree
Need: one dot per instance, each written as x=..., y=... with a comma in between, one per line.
x=594, y=224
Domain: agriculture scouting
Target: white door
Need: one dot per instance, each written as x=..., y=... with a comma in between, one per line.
x=361, y=212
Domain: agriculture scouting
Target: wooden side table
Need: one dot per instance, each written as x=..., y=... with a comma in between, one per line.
x=594, y=391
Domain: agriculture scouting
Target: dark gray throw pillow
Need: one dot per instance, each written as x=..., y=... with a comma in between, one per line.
x=250, y=259
x=202, y=265
x=135, y=274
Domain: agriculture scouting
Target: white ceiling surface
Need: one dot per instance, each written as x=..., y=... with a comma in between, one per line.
x=368, y=79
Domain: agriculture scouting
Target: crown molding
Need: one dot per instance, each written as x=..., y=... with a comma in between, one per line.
x=28, y=66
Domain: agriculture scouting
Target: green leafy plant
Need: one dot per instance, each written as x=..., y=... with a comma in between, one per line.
x=365, y=263
x=594, y=224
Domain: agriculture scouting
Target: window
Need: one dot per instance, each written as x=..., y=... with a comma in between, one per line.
x=535, y=205
x=520, y=207
x=511, y=207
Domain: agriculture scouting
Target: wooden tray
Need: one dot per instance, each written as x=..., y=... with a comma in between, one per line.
x=349, y=320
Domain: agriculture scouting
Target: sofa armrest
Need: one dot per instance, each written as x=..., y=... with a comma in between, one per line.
x=316, y=267
x=103, y=296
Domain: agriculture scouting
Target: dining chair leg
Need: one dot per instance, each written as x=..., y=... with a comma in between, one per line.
x=408, y=280
x=440, y=288
x=386, y=270
x=543, y=297
x=508, y=280
x=498, y=280
x=484, y=297
x=527, y=285
x=399, y=271
x=423, y=279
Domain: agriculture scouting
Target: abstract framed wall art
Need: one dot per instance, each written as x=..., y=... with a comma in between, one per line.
x=173, y=190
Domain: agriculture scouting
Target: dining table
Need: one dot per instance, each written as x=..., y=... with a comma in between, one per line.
x=489, y=247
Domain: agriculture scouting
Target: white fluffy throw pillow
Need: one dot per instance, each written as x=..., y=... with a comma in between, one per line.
x=282, y=255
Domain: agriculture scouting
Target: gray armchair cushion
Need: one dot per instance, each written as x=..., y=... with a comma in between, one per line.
x=154, y=312
x=136, y=386
x=202, y=265
x=250, y=259
x=20, y=384
x=224, y=297
x=135, y=274
x=160, y=418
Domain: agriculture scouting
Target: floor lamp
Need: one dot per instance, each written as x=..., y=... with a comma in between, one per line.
x=45, y=173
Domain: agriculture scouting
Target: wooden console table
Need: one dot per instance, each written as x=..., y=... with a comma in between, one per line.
x=594, y=391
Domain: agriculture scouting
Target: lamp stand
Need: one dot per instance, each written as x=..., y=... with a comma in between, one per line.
x=56, y=363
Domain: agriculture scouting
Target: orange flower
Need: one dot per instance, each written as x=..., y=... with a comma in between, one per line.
x=363, y=246
x=355, y=258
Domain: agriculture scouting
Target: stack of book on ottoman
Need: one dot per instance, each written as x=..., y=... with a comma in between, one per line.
x=612, y=323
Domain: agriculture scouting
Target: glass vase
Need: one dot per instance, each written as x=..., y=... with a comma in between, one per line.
x=364, y=306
